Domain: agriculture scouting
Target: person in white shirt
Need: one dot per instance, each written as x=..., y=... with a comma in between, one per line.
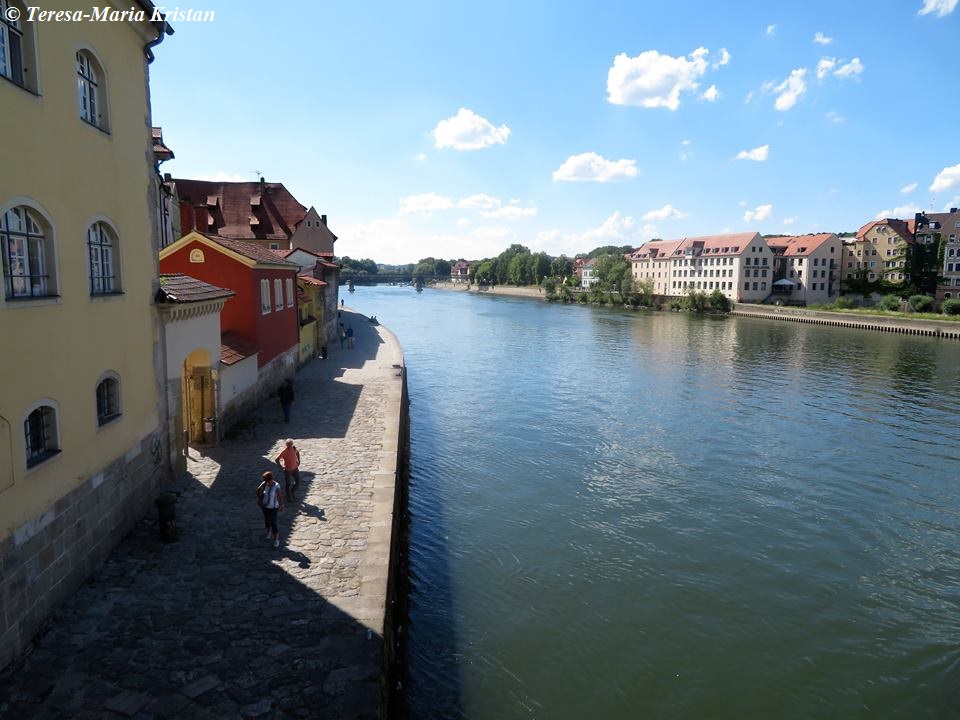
x=271, y=501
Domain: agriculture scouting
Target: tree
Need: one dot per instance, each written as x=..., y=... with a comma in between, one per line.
x=719, y=301
x=538, y=267
x=441, y=268
x=517, y=270
x=561, y=267
x=425, y=269
x=644, y=292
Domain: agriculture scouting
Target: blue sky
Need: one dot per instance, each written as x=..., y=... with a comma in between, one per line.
x=453, y=129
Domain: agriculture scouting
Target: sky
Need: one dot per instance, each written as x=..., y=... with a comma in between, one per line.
x=453, y=129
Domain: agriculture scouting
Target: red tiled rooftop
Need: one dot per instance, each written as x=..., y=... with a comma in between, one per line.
x=234, y=348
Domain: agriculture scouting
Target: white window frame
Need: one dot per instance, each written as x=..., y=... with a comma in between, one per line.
x=26, y=246
x=103, y=259
x=50, y=429
x=277, y=294
x=109, y=381
x=290, y=299
x=265, y=306
x=91, y=89
x=12, y=44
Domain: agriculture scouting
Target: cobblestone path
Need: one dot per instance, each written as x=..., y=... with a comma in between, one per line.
x=221, y=624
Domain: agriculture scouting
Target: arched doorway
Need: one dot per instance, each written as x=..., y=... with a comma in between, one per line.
x=199, y=399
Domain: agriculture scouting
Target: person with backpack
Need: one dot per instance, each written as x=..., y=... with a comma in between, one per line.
x=270, y=500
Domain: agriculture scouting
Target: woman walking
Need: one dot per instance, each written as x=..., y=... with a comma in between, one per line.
x=270, y=500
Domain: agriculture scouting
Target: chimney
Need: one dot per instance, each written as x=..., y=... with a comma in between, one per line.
x=323, y=219
x=953, y=210
x=167, y=177
x=187, y=221
x=200, y=221
x=263, y=185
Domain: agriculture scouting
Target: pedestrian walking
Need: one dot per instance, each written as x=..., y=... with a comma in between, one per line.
x=286, y=398
x=349, y=336
x=341, y=302
x=289, y=460
x=343, y=335
x=270, y=499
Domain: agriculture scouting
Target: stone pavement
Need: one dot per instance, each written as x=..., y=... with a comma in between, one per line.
x=221, y=624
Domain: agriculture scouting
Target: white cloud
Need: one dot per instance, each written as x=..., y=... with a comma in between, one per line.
x=907, y=189
x=424, y=204
x=852, y=69
x=825, y=66
x=480, y=201
x=906, y=211
x=664, y=213
x=649, y=231
x=468, y=131
x=761, y=213
x=749, y=98
x=941, y=7
x=771, y=29
x=791, y=89
x=946, y=178
x=420, y=157
x=955, y=203
x=759, y=154
x=222, y=176
x=590, y=167
x=836, y=117
x=822, y=39
x=790, y=220
x=616, y=227
x=615, y=230
x=463, y=222
x=710, y=94
x=686, y=142
x=654, y=80
x=742, y=203
x=510, y=212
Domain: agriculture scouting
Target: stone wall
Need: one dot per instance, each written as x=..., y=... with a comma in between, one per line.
x=49, y=557
x=895, y=324
x=269, y=380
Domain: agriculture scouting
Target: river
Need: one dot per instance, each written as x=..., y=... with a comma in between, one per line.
x=654, y=515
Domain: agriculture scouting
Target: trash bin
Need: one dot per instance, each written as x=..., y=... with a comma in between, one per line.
x=167, y=511
x=210, y=430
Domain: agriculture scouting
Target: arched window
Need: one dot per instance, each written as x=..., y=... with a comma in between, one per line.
x=91, y=90
x=27, y=254
x=40, y=435
x=103, y=260
x=16, y=45
x=108, y=399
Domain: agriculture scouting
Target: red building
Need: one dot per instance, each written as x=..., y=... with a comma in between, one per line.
x=264, y=309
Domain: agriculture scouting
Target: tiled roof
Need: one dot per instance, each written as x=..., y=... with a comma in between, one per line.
x=250, y=250
x=797, y=245
x=161, y=152
x=324, y=263
x=712, y=245
x=903, y=228
x=247, y=210
x=234, y=348
x=311, y=280
x=180, y=288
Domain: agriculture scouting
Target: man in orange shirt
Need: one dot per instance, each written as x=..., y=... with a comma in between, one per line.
x=289, y=460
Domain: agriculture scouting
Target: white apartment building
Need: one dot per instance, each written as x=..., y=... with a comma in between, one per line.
x=807, y=268
x=740, y=265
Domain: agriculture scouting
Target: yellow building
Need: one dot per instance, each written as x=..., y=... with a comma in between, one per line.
x=81, y=447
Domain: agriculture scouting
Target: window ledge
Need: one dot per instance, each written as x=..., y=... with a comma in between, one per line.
x=42, y=458
x=22, y=87
x=107, y=295
x=103, y=422
x=95, y=126
x=32, y=301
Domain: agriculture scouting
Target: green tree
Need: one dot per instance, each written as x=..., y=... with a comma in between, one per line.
x=561, y=267
x=644, y=292
x=425, y=269
x=718, y=301
x=921, y=303
x=517, y=269
x=695, y=301
x=441, y=268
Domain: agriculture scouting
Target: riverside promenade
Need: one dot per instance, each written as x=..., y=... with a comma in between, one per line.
x=221, y=624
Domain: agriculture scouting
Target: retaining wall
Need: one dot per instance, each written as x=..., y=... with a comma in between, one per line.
x=905, y=326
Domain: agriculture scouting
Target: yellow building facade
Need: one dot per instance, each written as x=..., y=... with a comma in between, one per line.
x=81, y=445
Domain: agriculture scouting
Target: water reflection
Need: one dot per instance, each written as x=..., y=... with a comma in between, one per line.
x=627, y=515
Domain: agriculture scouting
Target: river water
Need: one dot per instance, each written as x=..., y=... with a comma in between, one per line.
x=653, y=515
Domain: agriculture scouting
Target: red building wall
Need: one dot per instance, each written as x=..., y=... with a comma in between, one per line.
x=275, y=332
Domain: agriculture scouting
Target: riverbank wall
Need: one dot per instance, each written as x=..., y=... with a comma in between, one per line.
x=506, y=290
x=905, y=326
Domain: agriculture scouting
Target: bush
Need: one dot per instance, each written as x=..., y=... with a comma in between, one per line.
x=890, y=302
x=951, y=307
x=921, y=303
x=695, y=301
x=844, y=303
x=582, y=298
x=675, y=305
x=719, y=301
